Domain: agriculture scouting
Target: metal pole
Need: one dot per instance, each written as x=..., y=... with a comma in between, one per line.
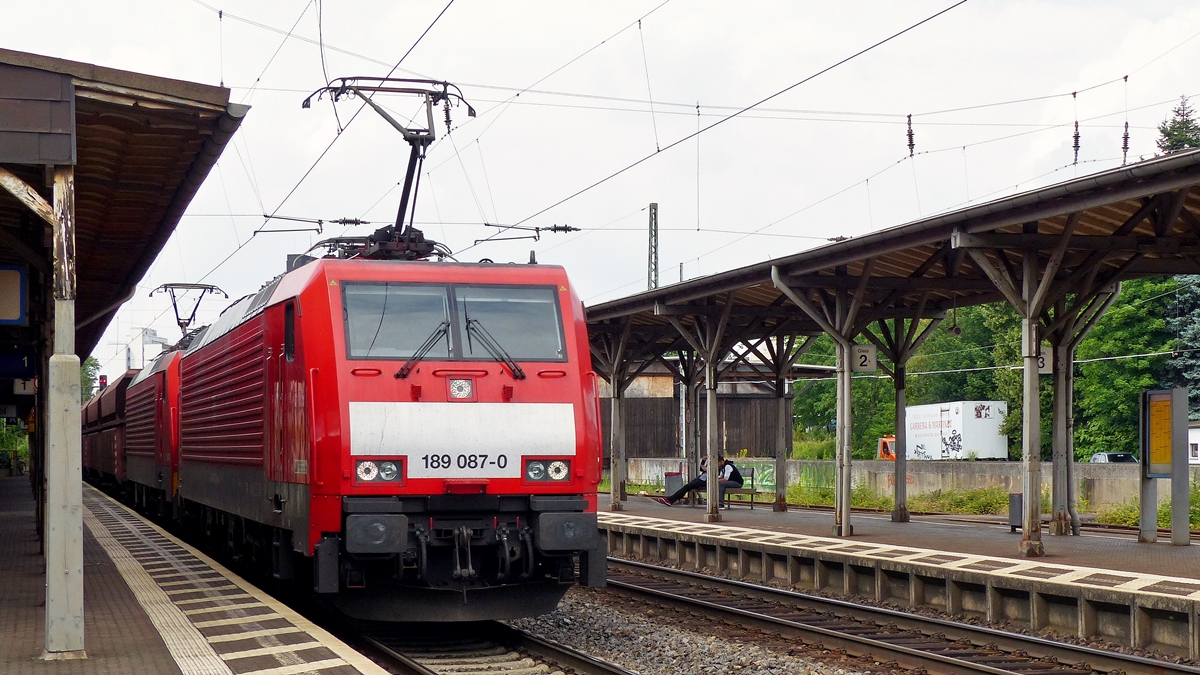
x=1060, y=521
x=697, y=430
x=617, y=472
x=683, y=421
x=900, y=447
x=1180, y=534
x=64, y=488
x=1031, y=438
x=652, y=257
x=841, y=518
x=1072, y=486
x=783, y=429
x=710, y=395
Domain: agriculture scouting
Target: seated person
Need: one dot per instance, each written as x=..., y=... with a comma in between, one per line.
x=727, y=476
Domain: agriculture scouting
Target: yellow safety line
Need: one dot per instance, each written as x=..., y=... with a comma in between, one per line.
x=251, y=634
x=350, y=656
x=300, y=668
x=265, y=651
x=186, y=645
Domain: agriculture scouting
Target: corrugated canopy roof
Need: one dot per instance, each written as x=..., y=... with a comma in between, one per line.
x=1134, y=221
x=143, y=146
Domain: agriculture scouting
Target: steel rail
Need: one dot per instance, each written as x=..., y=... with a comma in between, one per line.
x=490, y=643
x=938, y=634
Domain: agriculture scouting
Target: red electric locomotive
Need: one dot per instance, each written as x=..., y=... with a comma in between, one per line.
x=426, y=434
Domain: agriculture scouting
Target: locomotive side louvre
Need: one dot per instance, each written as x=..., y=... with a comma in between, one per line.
x=226, y=429
x=224, y=400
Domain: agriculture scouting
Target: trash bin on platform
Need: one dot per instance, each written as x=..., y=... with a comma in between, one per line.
x=1016, y=508
x=674, y=481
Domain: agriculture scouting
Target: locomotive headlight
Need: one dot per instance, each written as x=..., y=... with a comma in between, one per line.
x=559, y=470
x=367, y=471
x=535, y=470
x=388, y=470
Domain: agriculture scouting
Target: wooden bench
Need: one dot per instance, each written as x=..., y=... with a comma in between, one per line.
x=748, y=488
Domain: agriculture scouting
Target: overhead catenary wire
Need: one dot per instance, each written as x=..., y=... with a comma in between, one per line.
x=649, y=93
x=315, y=163
x=738, y=113
x=659, y=103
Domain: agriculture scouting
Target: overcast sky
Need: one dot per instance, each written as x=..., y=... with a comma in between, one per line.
x=598, y=92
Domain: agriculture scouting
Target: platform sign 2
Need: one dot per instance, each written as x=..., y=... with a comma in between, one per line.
x=12, y=295
x=863, y=359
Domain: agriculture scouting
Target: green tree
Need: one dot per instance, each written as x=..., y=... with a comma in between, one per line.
x=1106, y=392
x=1180, y=132
x=88, y=372
x=1183, y=321
x=963, y=355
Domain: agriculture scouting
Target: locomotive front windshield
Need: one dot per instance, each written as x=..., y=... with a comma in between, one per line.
x=524, y=321
x=394, y=320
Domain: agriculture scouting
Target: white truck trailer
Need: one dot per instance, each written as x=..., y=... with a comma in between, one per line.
x=956, y=430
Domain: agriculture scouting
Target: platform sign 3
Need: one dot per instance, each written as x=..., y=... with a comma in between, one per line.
x=863, y=359
x=1045, y=360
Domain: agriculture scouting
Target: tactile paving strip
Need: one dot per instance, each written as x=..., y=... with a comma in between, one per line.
x=1147, y=584
x=212, y=621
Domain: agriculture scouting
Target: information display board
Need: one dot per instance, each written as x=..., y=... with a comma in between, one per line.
x=1157, y=439
x=12, y=295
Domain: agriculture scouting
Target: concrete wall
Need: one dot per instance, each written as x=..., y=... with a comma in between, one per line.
x=1102, y=485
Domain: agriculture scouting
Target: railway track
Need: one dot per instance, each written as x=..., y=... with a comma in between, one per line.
x=909, y=640
x=479, y=649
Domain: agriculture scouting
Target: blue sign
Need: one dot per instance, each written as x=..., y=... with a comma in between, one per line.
x=13, y=295
x=18, y=365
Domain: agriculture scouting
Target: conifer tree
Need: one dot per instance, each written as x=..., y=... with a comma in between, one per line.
x=1180, y=132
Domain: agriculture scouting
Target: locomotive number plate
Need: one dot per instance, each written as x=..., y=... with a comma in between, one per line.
x=461, y=465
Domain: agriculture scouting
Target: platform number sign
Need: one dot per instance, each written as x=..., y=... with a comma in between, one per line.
x=1045, y=360
x=863, y=359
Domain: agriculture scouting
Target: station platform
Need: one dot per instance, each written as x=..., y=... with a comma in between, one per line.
x=974, y=535
x=152, y=605
x=1143, y=596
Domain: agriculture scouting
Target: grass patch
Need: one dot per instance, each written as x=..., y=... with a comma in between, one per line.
x=1129, y=513
x=812, y=445
x=861, y=496
x=980, y=501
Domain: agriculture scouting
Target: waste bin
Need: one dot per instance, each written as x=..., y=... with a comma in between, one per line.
x=1016, y=508
x=674, y=481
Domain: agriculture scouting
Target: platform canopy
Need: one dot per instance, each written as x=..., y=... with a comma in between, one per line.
x=1056, y=254
x=140, y=145
x=1139, y=220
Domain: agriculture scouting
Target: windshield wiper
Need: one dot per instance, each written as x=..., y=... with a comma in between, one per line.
x=489, y=343
x=437, y=334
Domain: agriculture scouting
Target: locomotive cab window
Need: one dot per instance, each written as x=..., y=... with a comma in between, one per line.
x=524, y=321
x=289, y=332
x=393, y=320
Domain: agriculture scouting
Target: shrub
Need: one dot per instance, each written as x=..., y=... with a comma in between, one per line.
x=980, y=501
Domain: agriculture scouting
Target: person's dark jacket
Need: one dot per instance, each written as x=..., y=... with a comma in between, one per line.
x=735, y=476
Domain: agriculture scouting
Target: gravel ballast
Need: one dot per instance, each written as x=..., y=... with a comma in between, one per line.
x=659, y=642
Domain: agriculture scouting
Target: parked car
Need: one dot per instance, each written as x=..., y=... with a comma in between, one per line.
x=1113, y=457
